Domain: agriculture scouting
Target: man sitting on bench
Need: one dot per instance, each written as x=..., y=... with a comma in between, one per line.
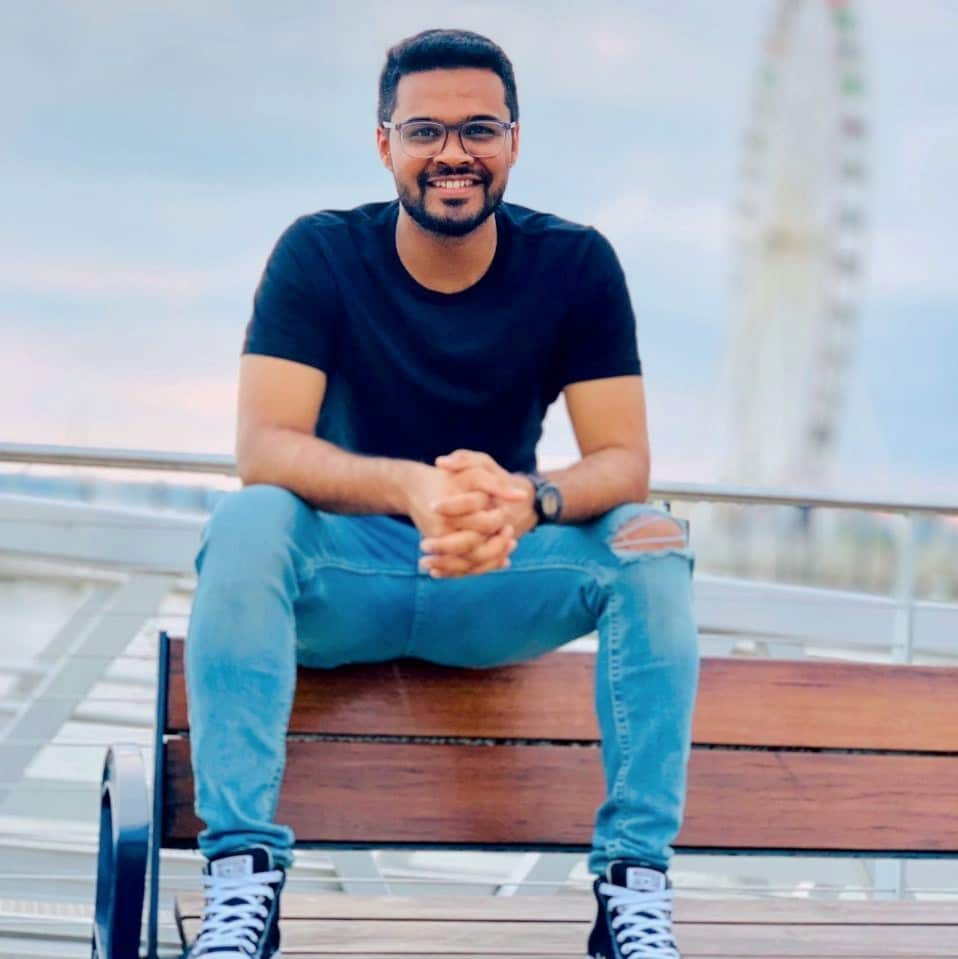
x=397, y=367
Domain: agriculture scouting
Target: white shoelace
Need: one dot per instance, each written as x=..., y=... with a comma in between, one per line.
x=236, y=908
x=643, y=922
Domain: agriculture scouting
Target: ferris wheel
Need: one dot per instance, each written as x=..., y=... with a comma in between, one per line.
x=800, y=230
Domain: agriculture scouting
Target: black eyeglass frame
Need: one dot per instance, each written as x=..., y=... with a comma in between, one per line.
x=503, y=125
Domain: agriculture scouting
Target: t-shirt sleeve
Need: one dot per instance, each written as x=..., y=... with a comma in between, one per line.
x=598, y=337
x=296, y=303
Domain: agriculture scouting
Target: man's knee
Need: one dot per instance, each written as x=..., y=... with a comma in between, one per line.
x=634, y=529
x=648, y=532
x=651, y=547
x=255, y=521
x=262, y=508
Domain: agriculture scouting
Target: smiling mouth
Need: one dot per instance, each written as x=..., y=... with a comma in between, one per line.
x=454, y=184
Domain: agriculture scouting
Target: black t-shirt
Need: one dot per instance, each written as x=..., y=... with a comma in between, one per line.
x=413, y=373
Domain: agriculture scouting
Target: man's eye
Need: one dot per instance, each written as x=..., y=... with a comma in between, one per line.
x=422, y=133
x=480, y=131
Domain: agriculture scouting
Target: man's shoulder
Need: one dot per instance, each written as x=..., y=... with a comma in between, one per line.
x=368, y=216
x=333, y=238
x=538, y=223
x=579, y=249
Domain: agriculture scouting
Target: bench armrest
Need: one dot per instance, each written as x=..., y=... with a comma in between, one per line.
x=121, y=860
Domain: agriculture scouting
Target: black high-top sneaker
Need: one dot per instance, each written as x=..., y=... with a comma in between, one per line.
x=241, y=916
x=635, y=914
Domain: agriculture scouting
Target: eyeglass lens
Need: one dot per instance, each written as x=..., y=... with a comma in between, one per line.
x=479, y=139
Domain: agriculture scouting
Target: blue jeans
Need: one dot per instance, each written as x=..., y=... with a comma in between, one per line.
x=281, y=583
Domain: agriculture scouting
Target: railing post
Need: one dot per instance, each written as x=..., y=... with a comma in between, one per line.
x=905, y=586
x=889, y=878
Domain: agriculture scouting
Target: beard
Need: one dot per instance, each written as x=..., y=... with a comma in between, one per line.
x=448, y=225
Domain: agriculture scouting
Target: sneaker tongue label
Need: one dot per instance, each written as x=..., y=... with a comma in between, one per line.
x=232, y=866
x=644, y=880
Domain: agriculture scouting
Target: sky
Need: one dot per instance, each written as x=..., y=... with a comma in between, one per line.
x=152, y=153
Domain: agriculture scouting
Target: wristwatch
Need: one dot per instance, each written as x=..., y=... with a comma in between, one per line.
x=548, y=499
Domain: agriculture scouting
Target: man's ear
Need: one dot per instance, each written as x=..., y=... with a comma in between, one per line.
x=514, y=146
x=382, y=145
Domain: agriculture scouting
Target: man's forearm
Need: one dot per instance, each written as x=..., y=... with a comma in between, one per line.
x=325, y=475
x=601, y=481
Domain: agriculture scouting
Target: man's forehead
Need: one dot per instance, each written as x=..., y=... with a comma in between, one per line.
x=451, y=94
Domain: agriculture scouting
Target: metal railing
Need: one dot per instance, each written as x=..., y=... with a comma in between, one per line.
x=43, y=455
x=223, y=464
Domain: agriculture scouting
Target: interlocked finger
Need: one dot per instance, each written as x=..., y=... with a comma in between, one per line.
x=462, y=503
x=455, y=544
x=494, y=548
x=447, y=565
x=486, y=521
x=490, y=567
x=464, y=459
x=490, y=555
x=500, y=484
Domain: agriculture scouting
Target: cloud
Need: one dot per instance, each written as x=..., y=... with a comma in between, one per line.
x=908, y=262
x=46, y=400
x=89, y=276
x=914, y=207
x=640, y=218
x=213, y=396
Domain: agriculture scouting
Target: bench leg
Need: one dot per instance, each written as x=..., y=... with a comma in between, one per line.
x=121, y=861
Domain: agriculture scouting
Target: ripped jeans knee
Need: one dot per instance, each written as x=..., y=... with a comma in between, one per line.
x=648, y=532
x=634, y=529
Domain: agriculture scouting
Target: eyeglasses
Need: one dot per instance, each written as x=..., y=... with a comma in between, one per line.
x=427, y=138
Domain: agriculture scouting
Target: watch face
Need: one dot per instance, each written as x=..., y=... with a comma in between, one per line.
x=550, y=502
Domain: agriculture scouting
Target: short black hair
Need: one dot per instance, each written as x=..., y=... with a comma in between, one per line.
x=444, y=50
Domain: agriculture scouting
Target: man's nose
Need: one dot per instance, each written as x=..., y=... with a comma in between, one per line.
x=452, y=152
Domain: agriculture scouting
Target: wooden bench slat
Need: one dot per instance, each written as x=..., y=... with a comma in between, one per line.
x=740, y=702
x=426, y=794
x=580, y=907
x=827, y=705
x=422, y=938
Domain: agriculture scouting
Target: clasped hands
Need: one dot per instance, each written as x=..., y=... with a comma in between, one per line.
x=471, y=513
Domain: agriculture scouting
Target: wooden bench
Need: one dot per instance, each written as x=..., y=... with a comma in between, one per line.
x=788, y=757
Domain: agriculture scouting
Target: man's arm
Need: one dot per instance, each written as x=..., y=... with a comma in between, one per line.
x=279, y=403
x=608, y=416
x=609, y=420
